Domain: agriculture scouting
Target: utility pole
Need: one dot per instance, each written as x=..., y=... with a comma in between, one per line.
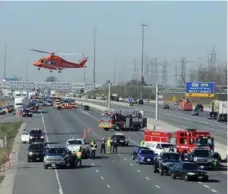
x=84, y=76
x=26, y=70
x=109, y=94
x=94, y=58
x=5, y=56
x=114, y=72
x=156, y=70
x=183, y=71
x=142, y=80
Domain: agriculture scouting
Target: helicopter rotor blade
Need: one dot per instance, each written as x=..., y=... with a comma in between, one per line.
x=69, y=54
x=39, y=51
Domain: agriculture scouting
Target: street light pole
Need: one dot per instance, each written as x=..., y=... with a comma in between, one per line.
x=109, y=94
x=156, y=104
x=142, y=80
x=5, y=56
x=94, y=58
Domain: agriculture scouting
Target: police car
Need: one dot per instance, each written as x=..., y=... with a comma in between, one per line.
x=121, y=139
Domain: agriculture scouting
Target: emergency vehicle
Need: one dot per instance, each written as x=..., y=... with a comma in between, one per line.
x=185, y=105
x=123, y=120
x=185, y=141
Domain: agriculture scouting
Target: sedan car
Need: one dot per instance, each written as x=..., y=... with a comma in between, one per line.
x=145, y=156
x=86, y=107
x=26, y=113
x=188, y=171
x=195, y=112
x=166, y=106
x=137, y=150
x=59, y=157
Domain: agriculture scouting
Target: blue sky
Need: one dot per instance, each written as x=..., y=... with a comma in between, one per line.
x=175, y=29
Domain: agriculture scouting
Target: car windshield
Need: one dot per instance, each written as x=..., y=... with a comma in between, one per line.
x=201, y=153
x=171, y=156
x=166, y=145
x=56, y=151
x=75, y=142
x=119, y=137
x=36, y=132
x=147, y=152
x=205, y=141
x=26, y=111
x=190, y=166
x=36, y=147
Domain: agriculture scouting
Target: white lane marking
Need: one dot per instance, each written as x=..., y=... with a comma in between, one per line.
x=131, y=164
x=147, y=178
x=102, y=177
x=213, y=190
x=125, y=158
x=97, y=170
x=138, y=171
x=56, y=172
x=157, y=186
x=206, y=186
x=108, y=186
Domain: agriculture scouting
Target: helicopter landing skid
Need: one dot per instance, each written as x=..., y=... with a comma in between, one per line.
x=59, y=71
x=38, y=68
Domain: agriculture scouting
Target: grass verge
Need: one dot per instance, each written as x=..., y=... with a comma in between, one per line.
x=9, y=130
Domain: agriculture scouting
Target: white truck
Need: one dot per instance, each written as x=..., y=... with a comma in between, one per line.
x=218, y=110
x=16, y=94
x=18, y=102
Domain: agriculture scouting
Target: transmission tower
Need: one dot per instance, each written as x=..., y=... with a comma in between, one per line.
x=146, y=70
x=156, y=70
x=164, y=72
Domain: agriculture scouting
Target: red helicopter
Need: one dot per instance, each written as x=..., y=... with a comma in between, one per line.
x=54, y=62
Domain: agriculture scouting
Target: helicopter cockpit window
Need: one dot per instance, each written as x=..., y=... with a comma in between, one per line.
x=41, y=60
x=46, y=62
x=53, y=63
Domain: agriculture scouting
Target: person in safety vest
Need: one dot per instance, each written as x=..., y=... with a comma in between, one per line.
x=109, y=145
x=142, y=143
x=79, y=157
x=93, y=147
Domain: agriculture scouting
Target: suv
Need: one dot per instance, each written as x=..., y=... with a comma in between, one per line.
x=203, y=157
x=36, y=135
x=166, y=160
x=121, y=139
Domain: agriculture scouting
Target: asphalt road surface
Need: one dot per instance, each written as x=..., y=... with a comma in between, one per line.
x=183, y=119
x=109, y=174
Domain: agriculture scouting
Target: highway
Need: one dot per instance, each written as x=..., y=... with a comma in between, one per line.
x=181, y=119
x=110, y=174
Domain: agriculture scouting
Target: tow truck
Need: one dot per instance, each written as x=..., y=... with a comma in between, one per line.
x=123, y=120
x=185, y=141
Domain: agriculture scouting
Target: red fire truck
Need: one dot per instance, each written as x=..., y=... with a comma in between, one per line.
x=186, y=140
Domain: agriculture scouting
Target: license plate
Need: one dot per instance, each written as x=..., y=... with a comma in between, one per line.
x=200, y=177
x=148, y=160
x=53, y=165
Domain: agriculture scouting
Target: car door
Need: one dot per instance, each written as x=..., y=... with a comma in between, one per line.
x=178, y=169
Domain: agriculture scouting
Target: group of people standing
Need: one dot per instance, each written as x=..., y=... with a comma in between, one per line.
x=109, y=146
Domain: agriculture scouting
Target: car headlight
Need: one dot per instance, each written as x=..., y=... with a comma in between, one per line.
x=195, y=159
x=30, y=153
x=41, y=137
x=30, y=137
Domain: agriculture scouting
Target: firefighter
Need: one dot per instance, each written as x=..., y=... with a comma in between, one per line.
x=142, y=143
x=103, y=141
x=93, y=146
x=114, y=145
x=109, y=145
x=79, y=157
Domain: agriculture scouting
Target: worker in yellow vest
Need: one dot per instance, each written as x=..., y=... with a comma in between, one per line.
x=142, y=143
x=109, y=145
x=79, y=157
